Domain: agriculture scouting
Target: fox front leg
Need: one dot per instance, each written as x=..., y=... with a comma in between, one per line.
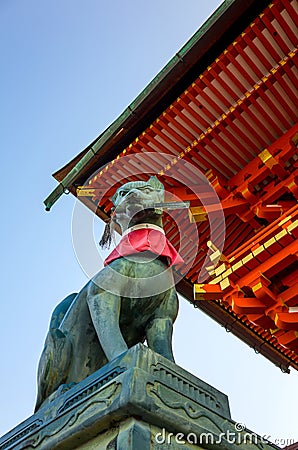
x=104, y=309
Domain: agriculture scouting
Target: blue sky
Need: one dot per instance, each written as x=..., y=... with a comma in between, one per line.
x=69, y=68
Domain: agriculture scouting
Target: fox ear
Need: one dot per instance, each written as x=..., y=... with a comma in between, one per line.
x=158, y=187
x=155, y=183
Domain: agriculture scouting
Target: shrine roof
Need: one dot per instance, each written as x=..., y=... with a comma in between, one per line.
x=212, y=38
x=225, y=106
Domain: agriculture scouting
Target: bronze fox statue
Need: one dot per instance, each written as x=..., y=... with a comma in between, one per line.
x=132, y=299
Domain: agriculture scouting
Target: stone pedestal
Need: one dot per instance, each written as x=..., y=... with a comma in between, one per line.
x=139, y=401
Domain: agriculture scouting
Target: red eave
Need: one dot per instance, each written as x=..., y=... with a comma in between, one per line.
x=235, y=122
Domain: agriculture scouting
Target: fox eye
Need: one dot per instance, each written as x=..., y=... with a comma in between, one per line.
x=147, y=190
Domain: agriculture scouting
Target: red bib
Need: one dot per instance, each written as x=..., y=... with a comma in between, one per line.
x=145, y=239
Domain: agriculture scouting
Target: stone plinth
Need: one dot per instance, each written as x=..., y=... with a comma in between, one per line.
x=139, y=401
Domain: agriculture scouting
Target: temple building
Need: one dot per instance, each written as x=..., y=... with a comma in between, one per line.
x=218, y=127
x=223, y=115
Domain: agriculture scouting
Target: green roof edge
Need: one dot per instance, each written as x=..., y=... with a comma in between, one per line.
x=117, y=128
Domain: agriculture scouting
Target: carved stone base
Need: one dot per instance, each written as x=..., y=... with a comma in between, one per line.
x=139, y=401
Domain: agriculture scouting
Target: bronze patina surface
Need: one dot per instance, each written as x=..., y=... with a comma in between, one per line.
x=129, y=301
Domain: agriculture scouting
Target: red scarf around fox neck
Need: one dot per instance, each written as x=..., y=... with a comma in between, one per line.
x=145, y=237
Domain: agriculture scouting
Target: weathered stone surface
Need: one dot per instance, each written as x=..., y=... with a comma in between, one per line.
x=133, y=402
